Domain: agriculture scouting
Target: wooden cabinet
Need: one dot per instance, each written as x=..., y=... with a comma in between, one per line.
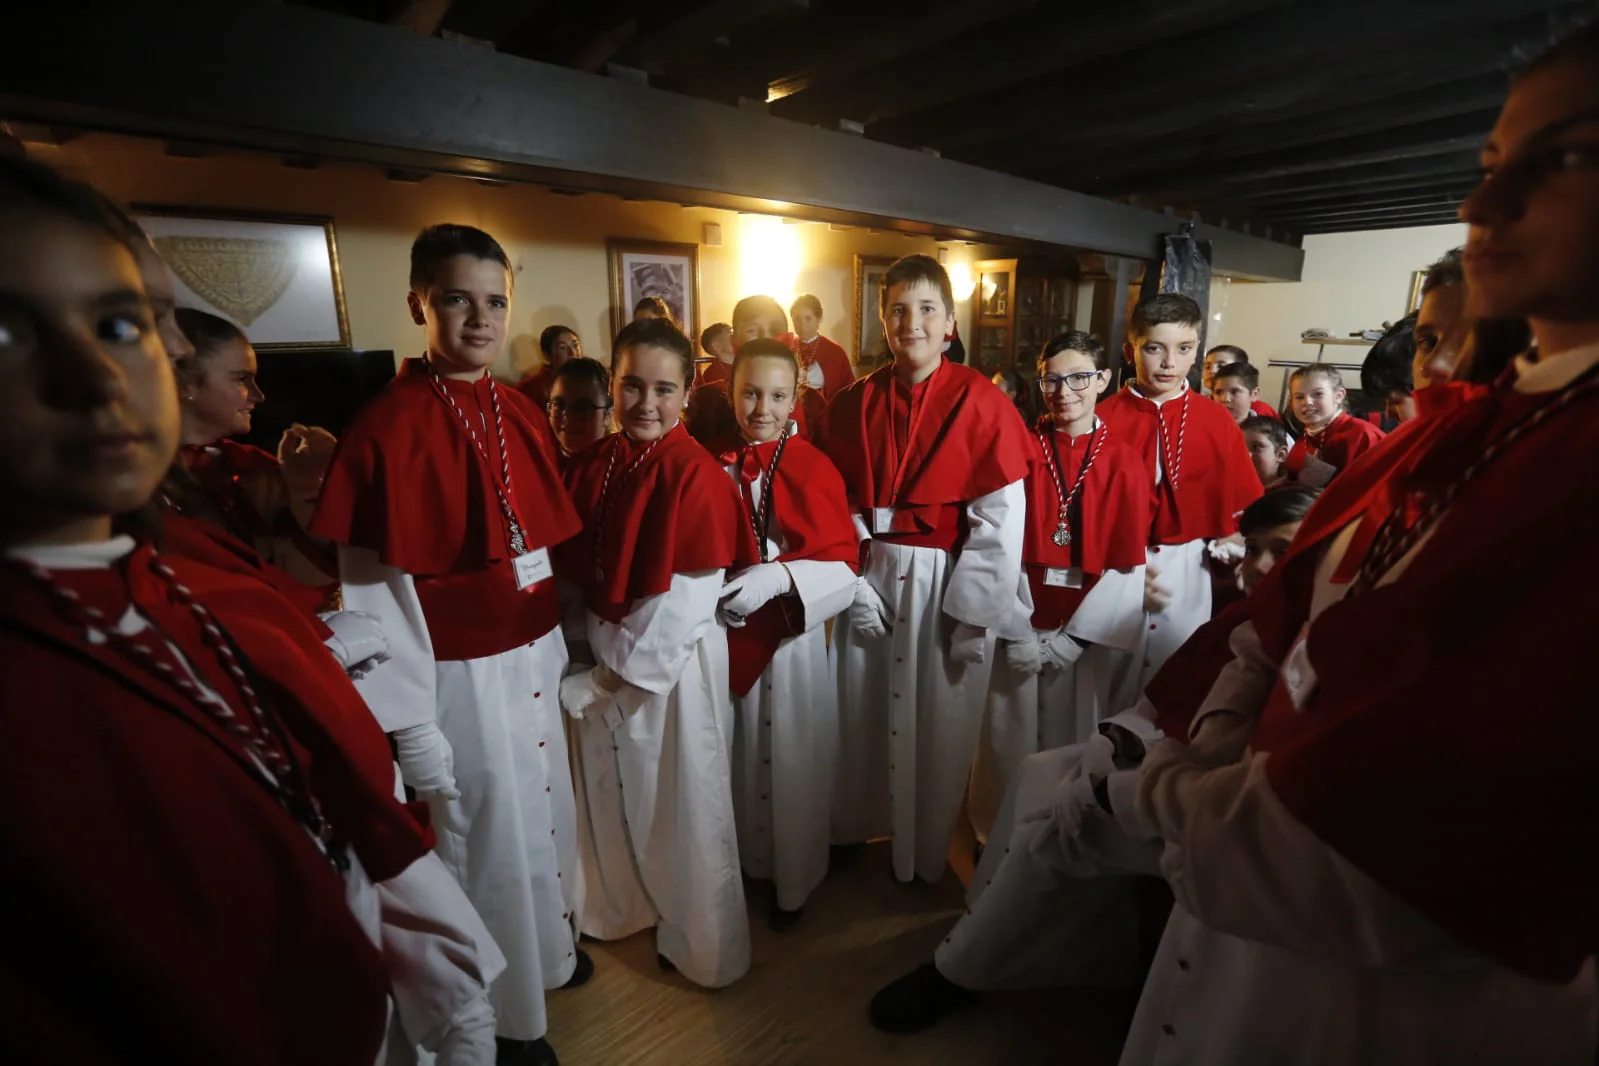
x=1018, y=305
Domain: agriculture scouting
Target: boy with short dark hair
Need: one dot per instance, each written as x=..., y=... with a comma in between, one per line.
x=1387, y=373
x=717, y=365
x=1203, y=476
x=445, y=499
x=1236, y=386
x=1268, y=443
x=1224, y=355
x=824, y=365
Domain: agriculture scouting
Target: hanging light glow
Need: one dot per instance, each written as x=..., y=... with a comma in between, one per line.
x=768, y=258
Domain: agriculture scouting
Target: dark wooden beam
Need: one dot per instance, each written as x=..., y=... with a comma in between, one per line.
x=1458, y=134
x=1377, y=210
x=1004, y=55
x=421, y=16
x=1080, y=161
x=695, y=26
x=1270, y=201
x=854, y=40
x=1364, y=203
x=495, y=20
x=1354, y=178
x=343, y=89
x=1287, y=51
x=1442, y=218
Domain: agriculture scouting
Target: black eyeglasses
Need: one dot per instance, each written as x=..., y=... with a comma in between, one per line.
x=575, y=410
x=1077, y=382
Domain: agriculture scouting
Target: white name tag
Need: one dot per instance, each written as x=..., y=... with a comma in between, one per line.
x=1063, y=579
x=532, y=568
x=882, y=519
x=1299, y=677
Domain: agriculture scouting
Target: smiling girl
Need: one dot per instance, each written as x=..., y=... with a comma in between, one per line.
x=1332, y=435
x=655, y=723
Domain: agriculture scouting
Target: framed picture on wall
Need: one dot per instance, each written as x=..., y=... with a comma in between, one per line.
x=870, y=348
x=276, y=277
x=655, y=268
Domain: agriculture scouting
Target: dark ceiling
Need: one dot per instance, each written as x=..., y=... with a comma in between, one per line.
x=1305, y=117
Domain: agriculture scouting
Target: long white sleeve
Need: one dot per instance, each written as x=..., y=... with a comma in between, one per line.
x=653, y=643
x=1241, y=863
x=982, y=585
x=1018, y=626
x=439, y=956
x=1112, y=614
x=1245, y=683
x=825, y=589
x=401, y=692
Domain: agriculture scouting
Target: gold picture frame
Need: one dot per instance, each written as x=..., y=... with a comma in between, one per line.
x=666, y=269
x=1416, y=281
x=275, y=276
x=869, y=349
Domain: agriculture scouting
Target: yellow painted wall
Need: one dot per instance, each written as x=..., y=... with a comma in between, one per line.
x=556, y=243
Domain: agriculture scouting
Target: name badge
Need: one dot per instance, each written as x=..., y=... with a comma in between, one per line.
x=1299, y=676
x=1057, y=578
x=532, y=568
x=882, y=519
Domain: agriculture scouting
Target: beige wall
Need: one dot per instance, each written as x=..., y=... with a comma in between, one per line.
x=1352, y=281
x=556, y=243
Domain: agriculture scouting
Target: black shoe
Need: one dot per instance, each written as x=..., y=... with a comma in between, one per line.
x=781, y=921
x=524, y=1053
x=919, y=1000
x=585, y=970
x=664, y=963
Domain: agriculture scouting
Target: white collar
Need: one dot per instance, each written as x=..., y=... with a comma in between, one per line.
x=1555, y=371
x=94, y=555
x=1092, y=428
x=1164, y=399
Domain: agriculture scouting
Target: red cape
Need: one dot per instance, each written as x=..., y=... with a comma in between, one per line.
x=714, y=372
x=712, y=420
x=206, y=543
x=969, y=442
x=1460, y=772
x=246, y=954
x=1215, y=480
x=1343, y=441
x=537, y=385
x=1108, y=533
x=407, y=483
x=1261, y=407
x=675, y=514
x=811, y=518
x=837, y=372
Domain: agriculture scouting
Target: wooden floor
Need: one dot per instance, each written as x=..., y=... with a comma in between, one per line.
x=804, y=1000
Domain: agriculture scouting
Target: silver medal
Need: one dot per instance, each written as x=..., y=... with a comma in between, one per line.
x=1063, y=536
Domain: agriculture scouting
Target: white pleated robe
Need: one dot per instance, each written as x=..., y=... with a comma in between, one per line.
x=657, y=837
x=909, y=715
x=511, y=839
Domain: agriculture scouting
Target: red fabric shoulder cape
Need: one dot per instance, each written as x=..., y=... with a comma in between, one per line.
x=1215, y=478
x=206, y=543
x=407, y=483
x=1116, y=504
x=810, y=511
x=969, y=441
x=1448, y=748
x=837, y=372
x=1261, y=407
x=677, y=513
x=1346, y=439
x=537, y=385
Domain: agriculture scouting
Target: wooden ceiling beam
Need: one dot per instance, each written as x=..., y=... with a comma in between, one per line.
x=1358, y=225
x=1274, y=200
x=1375, y=209
x=655, y=49
x=1365, y=202
x=1350, y=179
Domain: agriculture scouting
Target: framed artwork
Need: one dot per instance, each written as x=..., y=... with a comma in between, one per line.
x=655, y=268
x=870, y=347
x=276, y=277
x=996, y=294
x=1416, y=280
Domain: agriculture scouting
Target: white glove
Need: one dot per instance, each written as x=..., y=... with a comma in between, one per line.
x=1157, y=597
x=1228, y=551
x=752, y=590
x=1059, y=649
x=589, y=690
x=469, y=1038
x=1023, y=656
x=868, y=614
x=968, y=644
x=357, y=641
x=426, y=762
x=1059, y=825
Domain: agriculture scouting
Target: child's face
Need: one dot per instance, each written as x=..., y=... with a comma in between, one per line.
x=1316, y=400
x=649, y=391
x=757, y=327
x=89, y=417
x=1265, y=454
x=1071, y=384
x=1164, y=356
x=1262, y=549
x=915, y=323
x=764, y=391
x=1234, y=395
x=722, y=346
x=464, y=311
x=1214, y=362
x=1399, y=405
x=580, y=413
x=566, y=346
x=1442, y=327
x=807, y=323
x=220, y=403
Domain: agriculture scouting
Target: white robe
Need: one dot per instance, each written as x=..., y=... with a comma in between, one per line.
x=1059, y=706
x=511, y=839
x=909, y=715
x=657, y=836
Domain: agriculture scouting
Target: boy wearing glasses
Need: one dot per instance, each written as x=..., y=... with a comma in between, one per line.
x=580, y=405
x=1089, y=506
x=1203, y=478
